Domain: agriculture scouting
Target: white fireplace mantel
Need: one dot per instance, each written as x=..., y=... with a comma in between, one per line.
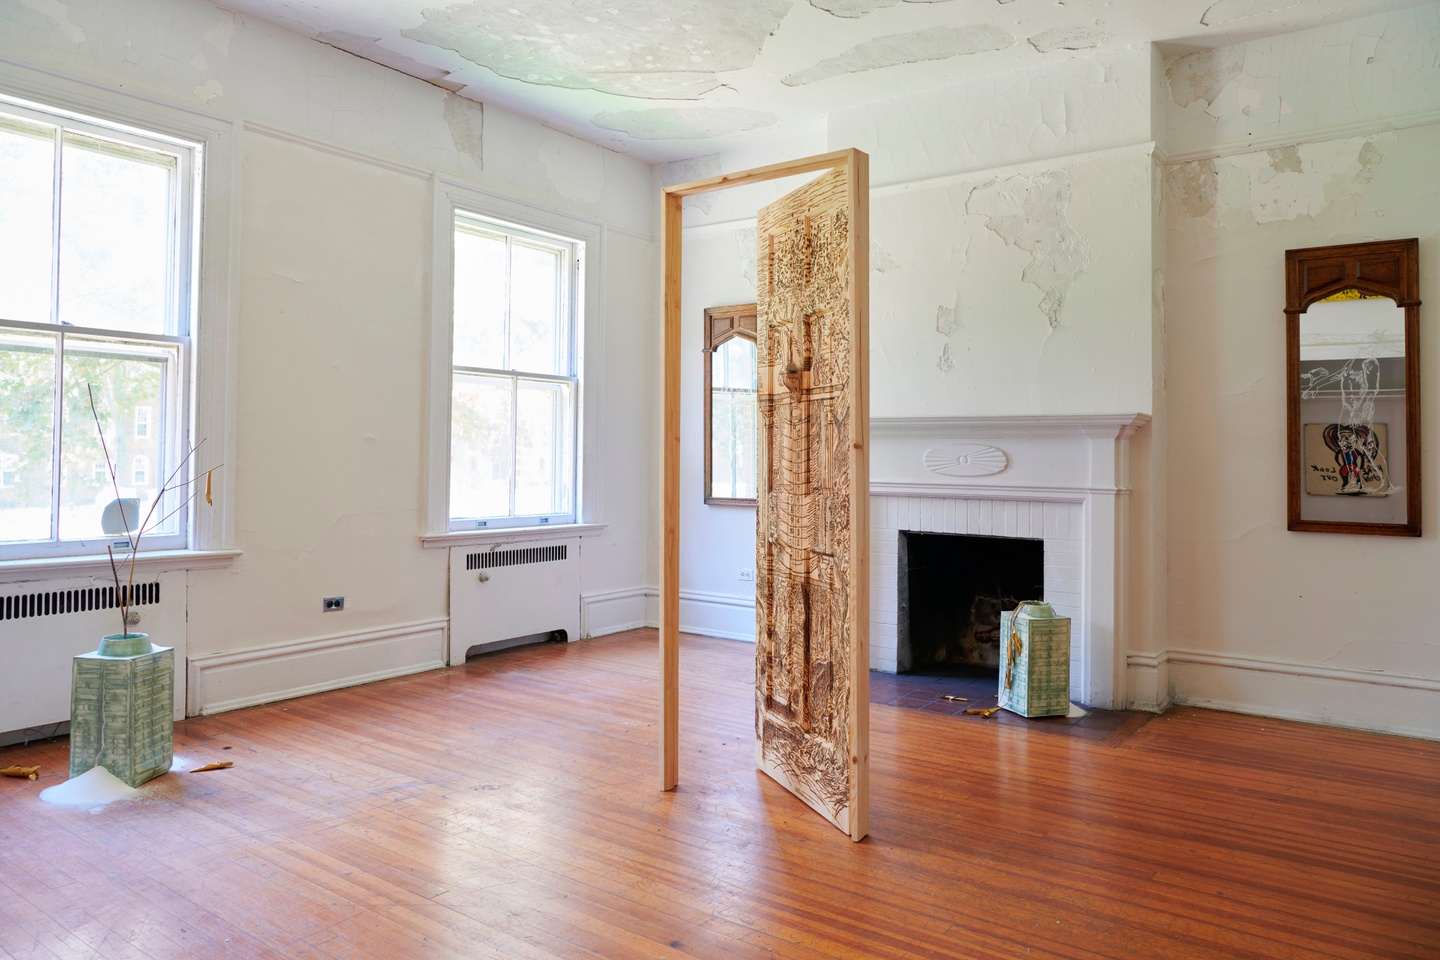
x=1059, y=478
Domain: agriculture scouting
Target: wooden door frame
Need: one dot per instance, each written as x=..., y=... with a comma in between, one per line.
x=857, y=168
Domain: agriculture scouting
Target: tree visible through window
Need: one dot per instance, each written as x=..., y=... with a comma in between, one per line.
x=96, y=233
x=514, y=381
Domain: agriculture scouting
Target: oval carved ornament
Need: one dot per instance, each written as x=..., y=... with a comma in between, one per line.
x=965, y=460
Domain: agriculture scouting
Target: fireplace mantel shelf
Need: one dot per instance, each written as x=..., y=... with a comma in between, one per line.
x=1031, y=426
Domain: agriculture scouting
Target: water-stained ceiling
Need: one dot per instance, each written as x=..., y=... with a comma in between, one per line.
x=668, y=79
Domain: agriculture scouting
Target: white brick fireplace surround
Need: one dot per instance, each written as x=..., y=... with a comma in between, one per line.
x=1061, y=479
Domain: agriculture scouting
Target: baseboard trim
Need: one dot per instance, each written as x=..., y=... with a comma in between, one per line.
x=613, y=611
x=1147, y=681
x=721, y=615
x=243, y=678
x=1372, y=700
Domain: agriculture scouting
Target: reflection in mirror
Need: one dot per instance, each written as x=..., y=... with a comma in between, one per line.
x=1353, y=391
x=1352, y=403
x=731, y=404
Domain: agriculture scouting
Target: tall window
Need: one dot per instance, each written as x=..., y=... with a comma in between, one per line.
x=514, y=377
x=97, y=251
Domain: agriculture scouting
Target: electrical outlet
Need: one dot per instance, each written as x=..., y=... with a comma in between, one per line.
x=334, y=603
x=747, y=575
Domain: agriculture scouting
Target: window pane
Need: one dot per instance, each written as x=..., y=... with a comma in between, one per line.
x=480, y=446
x=27, y=405
x=538, y=335
x=125, y=377
x=544, y=469
x=27, y=169
x=479, y=299
x=115, y=237
x=733, y=411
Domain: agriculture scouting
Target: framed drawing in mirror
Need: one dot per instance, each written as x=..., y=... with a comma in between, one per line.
x=731, y=405
x=1352, y=324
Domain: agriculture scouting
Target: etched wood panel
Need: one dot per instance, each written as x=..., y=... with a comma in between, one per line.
x=812, y=651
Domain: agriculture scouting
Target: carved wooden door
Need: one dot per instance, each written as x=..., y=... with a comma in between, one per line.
x=811, y=580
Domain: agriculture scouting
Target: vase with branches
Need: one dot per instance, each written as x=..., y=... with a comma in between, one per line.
x=134, y=526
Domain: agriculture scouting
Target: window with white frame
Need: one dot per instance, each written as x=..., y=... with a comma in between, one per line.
x=98, y=257
x=515, y=379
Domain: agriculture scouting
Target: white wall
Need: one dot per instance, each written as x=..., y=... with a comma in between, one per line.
x=1308, y=625
x=332, y=315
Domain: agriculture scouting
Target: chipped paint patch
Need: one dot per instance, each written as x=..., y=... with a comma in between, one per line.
x=1227, y=11
x=575, y=168
x=466, y=120
x=60, y=13
x=1028, y=212
x=1191, y=188
x=1068, y=38
x=900, y=48
x=946, y=363
x=684, y=123
x=1201, y=76
x=665, y=51
x=945, y=320
x=685, y=171
x=1298, y=181
x=209, y=90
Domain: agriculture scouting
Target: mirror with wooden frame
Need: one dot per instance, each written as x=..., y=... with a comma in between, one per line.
x=1352, y=321
x=731, y=405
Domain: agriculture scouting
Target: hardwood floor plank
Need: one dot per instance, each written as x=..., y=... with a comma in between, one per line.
x=507, y=808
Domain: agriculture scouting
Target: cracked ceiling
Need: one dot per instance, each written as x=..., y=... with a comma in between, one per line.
x=670, y=79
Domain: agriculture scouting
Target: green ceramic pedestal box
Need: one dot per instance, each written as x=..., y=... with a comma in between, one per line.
x=122, y=714
x=1035, y=673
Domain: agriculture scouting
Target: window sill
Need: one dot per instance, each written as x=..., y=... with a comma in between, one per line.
x=90, y=565
x=471, y=538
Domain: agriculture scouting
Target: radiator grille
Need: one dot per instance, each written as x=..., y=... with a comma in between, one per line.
x=514, y=558
x=49, y=603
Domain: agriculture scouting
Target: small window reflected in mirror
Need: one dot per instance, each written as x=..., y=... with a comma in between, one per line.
x=731, y=404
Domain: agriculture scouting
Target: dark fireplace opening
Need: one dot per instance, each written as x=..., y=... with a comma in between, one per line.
x=953, y=589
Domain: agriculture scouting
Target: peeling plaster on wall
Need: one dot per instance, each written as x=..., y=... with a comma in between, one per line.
x=1068, y=38
x=673, y=54
x=745, y=241
x=1226, y=11
x=1058, y=254
x=209, y=90
x=369, y=48
x=880, y=259
x=575, y=168
x=60, y=13
x=1298, y=181
x=1192, y=188
x=684, y=123
x=1354, y=76
x=686, y=171
x=220, y=35
x=1201, y=76
x=466, y=120
x=914, y=47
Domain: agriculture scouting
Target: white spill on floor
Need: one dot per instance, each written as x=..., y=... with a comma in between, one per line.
x=93, y=789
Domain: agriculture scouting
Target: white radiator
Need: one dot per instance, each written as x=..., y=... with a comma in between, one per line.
x=512, y=590
x=44, y=624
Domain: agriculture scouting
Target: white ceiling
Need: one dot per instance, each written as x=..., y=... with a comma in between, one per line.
x=669, y=79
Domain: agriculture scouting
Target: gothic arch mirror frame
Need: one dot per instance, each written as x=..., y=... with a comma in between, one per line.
x=1387, y=268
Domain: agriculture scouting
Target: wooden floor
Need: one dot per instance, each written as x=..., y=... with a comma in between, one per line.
x=507, y=808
